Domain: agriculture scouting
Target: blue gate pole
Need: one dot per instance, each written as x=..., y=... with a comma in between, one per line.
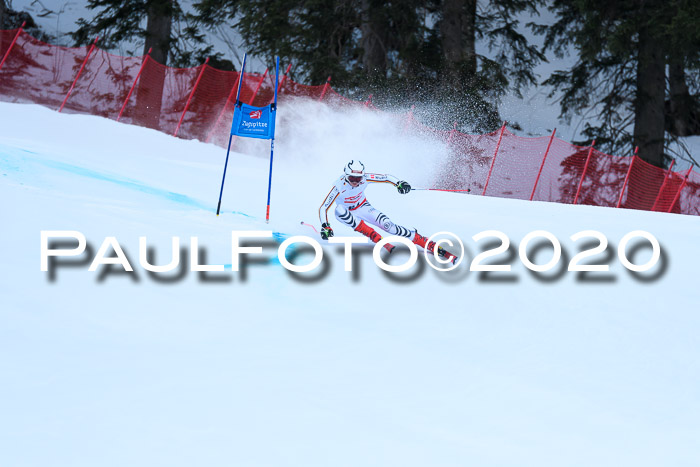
x=269, y=181
x=218, y=207
x=272, y=142
x=230, y=138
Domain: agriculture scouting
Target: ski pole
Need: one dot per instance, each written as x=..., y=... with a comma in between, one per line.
x=468, y=190
x=309, y=225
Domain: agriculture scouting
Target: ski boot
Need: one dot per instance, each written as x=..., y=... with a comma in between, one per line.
x=368, y=231
x=422, y=242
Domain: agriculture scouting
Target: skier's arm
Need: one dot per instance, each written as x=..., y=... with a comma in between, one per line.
x=382, y=178
x=401, y=185
x=327, y=203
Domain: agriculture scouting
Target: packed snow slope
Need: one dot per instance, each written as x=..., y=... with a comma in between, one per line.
x=263, y=367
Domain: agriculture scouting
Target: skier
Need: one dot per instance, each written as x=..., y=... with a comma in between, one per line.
x=353, y=209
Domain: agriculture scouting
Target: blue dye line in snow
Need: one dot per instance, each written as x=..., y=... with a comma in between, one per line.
x=121, y=181
x=117, y=180
x=274, y=261
x=280, y=237
x=240, y=213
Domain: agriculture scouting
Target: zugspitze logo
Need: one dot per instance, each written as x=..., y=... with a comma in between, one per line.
x=256, y=114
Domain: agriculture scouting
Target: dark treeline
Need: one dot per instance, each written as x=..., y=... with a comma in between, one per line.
x=402, y=53
x=636, y=73
x=11, y=19
x=636, y=78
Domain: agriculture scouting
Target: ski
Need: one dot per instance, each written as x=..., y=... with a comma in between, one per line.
x=442, y=253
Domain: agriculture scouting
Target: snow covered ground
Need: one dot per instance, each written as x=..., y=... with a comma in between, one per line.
x=270, y=368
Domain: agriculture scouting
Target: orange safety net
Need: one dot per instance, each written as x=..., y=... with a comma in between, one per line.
x=197, y=103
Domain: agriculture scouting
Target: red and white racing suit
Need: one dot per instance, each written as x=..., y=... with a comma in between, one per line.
x=352, y=206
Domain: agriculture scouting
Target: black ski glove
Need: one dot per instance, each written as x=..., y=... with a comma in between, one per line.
x=326, y=231
x=403, y=187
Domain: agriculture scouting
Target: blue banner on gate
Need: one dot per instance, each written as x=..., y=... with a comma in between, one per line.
x=254, y=122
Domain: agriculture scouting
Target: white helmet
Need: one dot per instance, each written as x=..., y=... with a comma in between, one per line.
x=355, y=169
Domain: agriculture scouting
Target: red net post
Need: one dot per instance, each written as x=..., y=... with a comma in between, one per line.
x=82, y=67
x=103, y=85
x=544, y=158
x=39, y=73
x=136, y=80
x=680, y=190
x=583, y=174
x=160, y=96
x=452, y=133
x=368, y=102
x=663, y=185
x=12, y=44
x=488, y=177
x=266, y=92
x=645, y=182
x=325, y=88
x=408, y=119
x=250, y=102
x=560, y=174
x=604, y=179
x=517, y=164
x=257, y=88
x=223, y=109
x=470, y=157
x=189, y=99
x=670, y=186
x=284, y=78
x=689, y=200
x=217, y=131
x=627, y=177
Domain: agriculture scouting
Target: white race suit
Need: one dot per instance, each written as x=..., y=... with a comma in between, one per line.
x=352, y=206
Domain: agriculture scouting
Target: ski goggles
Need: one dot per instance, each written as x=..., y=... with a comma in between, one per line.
x=353, y=179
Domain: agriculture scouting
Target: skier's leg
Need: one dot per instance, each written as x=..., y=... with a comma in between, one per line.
x=381, y=220
x=346, y=217
x=376, y=217
x=422, y=242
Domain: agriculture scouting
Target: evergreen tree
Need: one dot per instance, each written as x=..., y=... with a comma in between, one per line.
x=162, y=25
x=619, y=79
x=683, y=106
x=12, y=19
x=316, y=34
x=476, y=80
x=375, y=36
x=164, y=29
x=414, y=51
